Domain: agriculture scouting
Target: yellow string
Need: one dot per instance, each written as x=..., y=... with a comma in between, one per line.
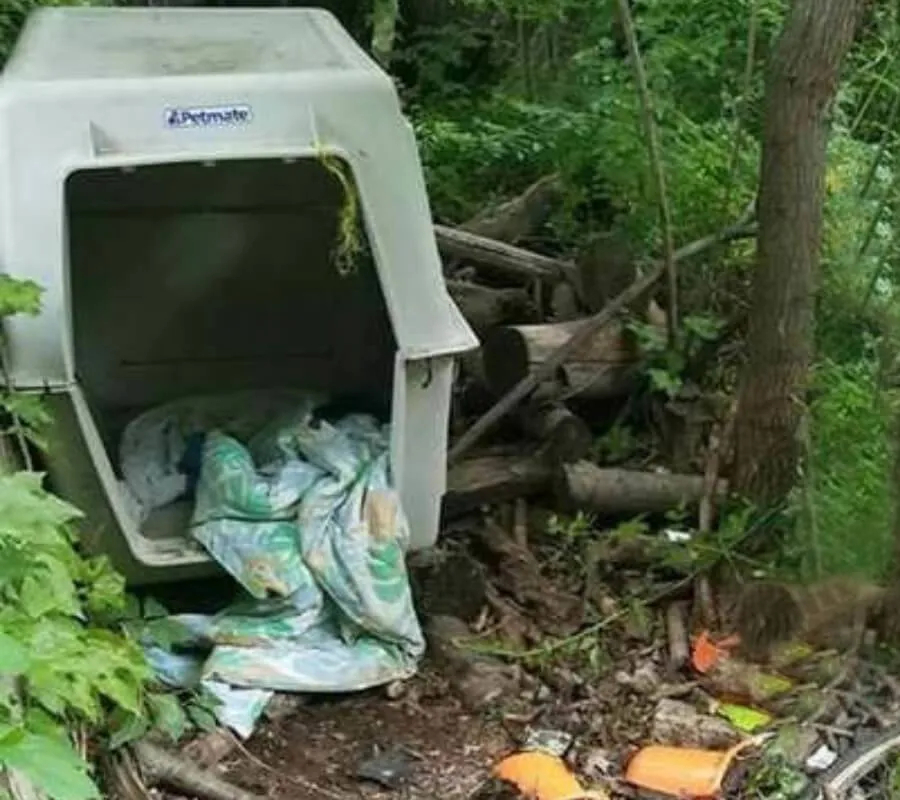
x=349, y=244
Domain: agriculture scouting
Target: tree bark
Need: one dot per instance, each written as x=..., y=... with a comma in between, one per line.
x=800, y=85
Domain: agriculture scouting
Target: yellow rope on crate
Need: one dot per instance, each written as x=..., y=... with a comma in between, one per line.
x=349, y=241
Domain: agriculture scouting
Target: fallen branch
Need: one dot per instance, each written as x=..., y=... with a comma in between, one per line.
x=555, y=645
x=677, y=635
x=584, y=334
x=162, y=767
x=505, y=260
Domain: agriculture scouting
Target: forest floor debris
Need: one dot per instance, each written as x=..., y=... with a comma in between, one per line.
x=605, y=697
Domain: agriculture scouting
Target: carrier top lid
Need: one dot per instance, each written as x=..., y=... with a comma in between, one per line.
x=66, y=44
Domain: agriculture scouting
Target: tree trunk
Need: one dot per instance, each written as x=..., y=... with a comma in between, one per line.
x=800, y=85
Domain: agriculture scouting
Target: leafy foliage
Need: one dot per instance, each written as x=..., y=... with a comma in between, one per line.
x=57, y=667
x=62, y=665
x=564, y=101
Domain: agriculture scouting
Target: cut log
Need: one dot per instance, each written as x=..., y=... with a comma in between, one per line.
x=596, y=323
x=584, y=486
x=605, y=367
x=606, y=267
x=493, y=479
x=566, y=435
x=516, y=218
x=486, y=308
x=502, y=260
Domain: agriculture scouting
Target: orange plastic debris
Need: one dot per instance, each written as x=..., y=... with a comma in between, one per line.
x=682, y=771
x=542, y=776
x=707, y=653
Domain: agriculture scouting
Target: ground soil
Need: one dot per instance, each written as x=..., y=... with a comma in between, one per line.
x=317, y=752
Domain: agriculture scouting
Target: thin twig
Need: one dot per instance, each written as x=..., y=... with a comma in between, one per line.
x=560, y=644
x=719, y=441
x=659, y=174
x=585, y=333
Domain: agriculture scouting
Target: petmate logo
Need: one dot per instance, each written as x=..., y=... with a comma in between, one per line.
x=208, y=117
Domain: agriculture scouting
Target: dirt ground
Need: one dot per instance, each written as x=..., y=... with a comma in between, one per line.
x=318, y=752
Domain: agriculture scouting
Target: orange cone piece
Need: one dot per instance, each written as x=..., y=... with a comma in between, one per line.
x=542, y=776
x=682, y=771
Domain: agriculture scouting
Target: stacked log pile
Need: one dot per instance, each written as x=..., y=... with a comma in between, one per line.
x=556, y=351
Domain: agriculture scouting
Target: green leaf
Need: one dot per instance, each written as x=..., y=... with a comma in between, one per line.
x=13, y=656
x=29, y=408
x=50, y=763
x=19, y=297
x=106, y=588
x=127, y=728
x=153, y=609
x=50, y=589
x=202, y=717
x=122, y=689
x=168, y=715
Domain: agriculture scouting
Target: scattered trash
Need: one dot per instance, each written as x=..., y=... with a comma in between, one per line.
x=706, y=653
x=821, y=759
x=556, y=743
x=682, y=772
x=598, y=764
x=391, y=769
x=542, y=776
x=745, y=719
x=676, y=536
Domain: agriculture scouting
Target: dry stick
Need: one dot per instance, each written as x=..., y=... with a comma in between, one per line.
x=174, y=771
x=584, y=334
x=719, y=441
x=653, y=147
x=548, y=648
x=677, y=634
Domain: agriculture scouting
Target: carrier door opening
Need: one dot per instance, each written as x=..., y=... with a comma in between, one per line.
x=194, y=279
